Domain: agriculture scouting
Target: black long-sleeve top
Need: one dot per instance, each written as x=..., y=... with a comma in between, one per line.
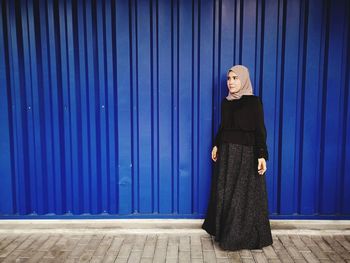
x=242, y=122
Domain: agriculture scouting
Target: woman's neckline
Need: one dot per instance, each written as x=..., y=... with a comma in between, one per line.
x=239, y=98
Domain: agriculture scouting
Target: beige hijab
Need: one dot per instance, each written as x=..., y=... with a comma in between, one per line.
x=246, y=87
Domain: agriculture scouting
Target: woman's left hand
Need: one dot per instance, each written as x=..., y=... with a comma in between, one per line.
x=261, y=166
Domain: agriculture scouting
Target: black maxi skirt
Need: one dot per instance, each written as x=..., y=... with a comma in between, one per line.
x=237, y=213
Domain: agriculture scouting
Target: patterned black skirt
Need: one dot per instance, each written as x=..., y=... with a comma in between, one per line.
x=237, y=213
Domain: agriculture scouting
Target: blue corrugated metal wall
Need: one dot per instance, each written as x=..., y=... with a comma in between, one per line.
x=108, y=108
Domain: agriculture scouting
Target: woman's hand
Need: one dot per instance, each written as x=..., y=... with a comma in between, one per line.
x=214, y=155
x=261, y=166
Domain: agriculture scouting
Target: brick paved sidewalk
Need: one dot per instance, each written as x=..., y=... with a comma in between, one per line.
x=167, y=248
x=28, y=242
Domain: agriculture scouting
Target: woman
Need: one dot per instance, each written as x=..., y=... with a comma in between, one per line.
x=237, y=213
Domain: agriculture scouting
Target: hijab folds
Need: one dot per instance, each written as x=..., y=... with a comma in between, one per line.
x=246, y=86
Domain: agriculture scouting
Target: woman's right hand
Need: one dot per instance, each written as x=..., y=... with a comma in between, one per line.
x=214, y=154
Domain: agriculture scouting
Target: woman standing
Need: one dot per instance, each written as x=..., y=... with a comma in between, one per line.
x=237, y=213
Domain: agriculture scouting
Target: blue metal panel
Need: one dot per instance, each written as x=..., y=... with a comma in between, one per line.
x=55, y=109
x=108, y=108
x=270, y=81
x=311, y=126
x=124, y=129
x=143, y=97
x=110, y=129
x=289, y=103
x=47, y=154
x=7, y=190
x=163, y=173
x=204, y=81
x=185, y=106
x=336, y=57
x=84, y=173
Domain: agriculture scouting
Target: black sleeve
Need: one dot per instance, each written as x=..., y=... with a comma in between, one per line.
x=260, y=133
x=217, y=140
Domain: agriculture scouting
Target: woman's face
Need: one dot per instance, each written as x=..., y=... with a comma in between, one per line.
x=233, y=82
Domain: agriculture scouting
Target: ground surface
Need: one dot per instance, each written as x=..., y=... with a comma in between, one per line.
x=166, y=247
